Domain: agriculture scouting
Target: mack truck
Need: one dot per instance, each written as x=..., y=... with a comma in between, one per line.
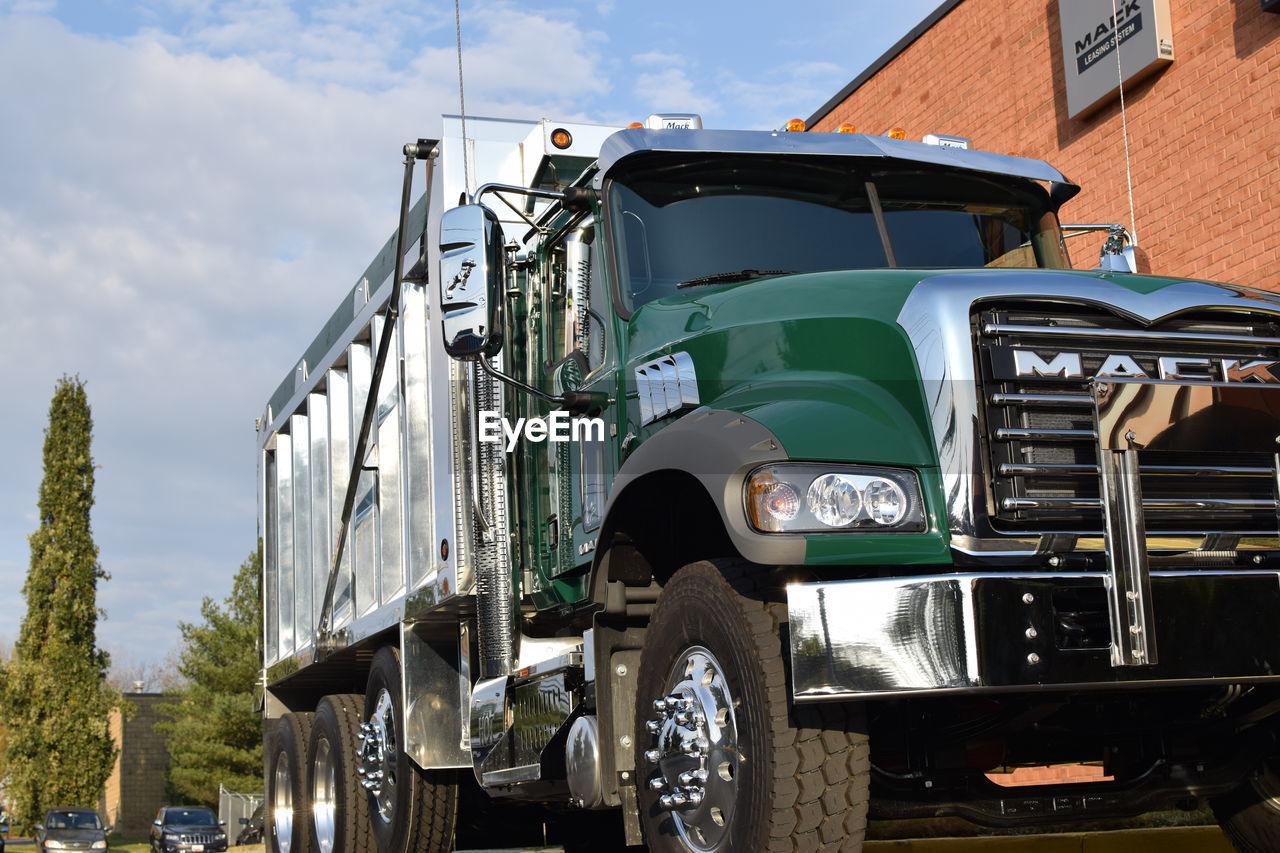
x=720, y=490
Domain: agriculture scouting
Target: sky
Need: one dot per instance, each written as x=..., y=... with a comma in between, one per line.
x=189, y=187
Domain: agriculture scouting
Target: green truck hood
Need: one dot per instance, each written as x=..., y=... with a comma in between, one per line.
x=820, y=359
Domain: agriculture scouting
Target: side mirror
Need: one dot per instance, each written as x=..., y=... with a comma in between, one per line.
x=223, y=822
x=472, y=280
x=39, y=827
x=155, y=823
x=107, y=829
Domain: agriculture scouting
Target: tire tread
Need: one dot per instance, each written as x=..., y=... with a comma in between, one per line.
x=820, y=758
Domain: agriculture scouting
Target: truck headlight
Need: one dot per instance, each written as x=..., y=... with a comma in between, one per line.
x=837, y=498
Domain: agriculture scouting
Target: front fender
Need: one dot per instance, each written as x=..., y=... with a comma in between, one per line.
x=718, y=448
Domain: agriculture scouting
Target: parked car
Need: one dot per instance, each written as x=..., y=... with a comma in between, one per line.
x=71, y=829
x=187, y=829
x=252, y=832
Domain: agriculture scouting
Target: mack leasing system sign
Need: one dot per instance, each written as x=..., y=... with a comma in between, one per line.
x=1091, y=32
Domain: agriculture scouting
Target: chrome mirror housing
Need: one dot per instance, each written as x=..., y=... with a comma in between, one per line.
x=1117, y=253
x=472, y=275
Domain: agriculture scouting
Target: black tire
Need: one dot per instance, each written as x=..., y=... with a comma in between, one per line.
x=782, y=778
x=414, y=810
x=339, y=805
x=287, y=825
x=1250, y=815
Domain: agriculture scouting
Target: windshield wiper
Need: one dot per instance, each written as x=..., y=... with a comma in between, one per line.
x=728, y=277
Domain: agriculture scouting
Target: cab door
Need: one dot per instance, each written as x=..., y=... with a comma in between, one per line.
x=566, y=482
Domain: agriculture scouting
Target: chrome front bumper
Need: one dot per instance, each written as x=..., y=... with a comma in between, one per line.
x=926, y=635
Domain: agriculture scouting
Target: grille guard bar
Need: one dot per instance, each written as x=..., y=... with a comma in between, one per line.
x=1134, y=416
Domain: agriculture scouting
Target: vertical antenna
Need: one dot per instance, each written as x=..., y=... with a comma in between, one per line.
x=462, y=101
x=1124, y=121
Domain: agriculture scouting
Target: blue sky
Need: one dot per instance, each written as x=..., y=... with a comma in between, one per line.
x=189, y=186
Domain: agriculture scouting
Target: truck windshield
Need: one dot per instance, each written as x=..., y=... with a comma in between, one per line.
x=682, y=224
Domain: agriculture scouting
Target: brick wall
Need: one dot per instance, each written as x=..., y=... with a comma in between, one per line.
x=136, y=787
x=1204, y=134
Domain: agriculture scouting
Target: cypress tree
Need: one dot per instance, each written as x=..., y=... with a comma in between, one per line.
x=59, y=750
x=215, y=736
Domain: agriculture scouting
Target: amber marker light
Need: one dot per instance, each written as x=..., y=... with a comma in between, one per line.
x=561, y=138
x=634, y=125
x=896, y=133
x=846, y=128
x=796, y=125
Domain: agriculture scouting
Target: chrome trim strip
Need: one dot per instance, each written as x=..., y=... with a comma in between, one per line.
x=995, y=329
x=1011, y=434
x=1147, y=503
x=936, y=319
x=1050, y=399
x=1011, y=469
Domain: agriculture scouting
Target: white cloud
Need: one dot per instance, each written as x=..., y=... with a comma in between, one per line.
x=658, y=58
x=671, y=90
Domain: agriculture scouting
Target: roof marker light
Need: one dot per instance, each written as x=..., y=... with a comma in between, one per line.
x=846, y=128
x=796, y=125
x=896, y=133
x=561, y=138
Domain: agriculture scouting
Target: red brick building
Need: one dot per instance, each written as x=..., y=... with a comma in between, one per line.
x=1203, y=132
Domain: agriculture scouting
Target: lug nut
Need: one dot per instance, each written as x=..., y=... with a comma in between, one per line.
x=657, y=783
x=672, y=801
x=659, y=705
x=694, y=795
x=652, y=756
x=653, y=726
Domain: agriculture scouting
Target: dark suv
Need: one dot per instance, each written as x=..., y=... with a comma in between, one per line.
x=187, y=829
x=71, y=829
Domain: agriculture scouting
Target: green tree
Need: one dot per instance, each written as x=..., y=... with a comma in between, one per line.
x=215, y=736
x=59, y=751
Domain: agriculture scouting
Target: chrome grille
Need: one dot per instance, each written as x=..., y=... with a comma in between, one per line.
x=199, y=838
x=1039, y=434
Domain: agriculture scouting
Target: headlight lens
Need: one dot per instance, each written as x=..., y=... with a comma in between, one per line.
x=834, y=500
x=99, y=845
x=53, y=844
x=838, y=498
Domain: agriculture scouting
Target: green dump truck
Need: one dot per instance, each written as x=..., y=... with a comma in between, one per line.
x=714, y=490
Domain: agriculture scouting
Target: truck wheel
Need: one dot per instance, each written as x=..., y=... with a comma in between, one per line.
x=724, y=762
x=288, y=823
x=1250, y=815
x=409, y=809
x=339, y=805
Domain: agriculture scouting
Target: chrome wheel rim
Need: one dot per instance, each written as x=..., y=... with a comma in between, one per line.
x=383, y=721
x=324, y=783
x=282, y=804
x=695, y=750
